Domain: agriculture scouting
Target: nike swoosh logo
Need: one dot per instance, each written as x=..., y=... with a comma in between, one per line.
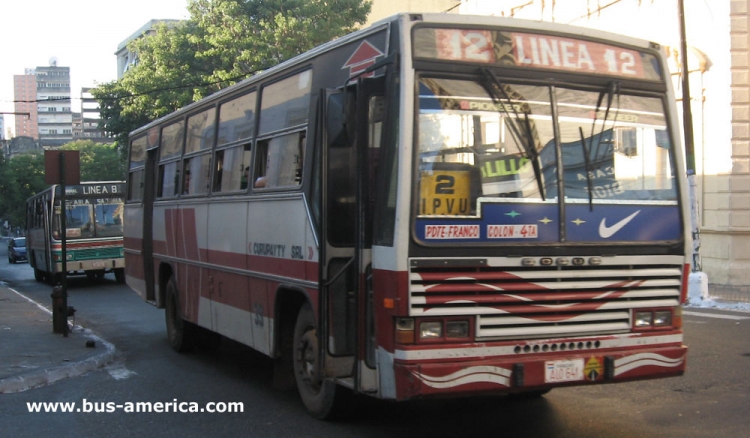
x=606, y=232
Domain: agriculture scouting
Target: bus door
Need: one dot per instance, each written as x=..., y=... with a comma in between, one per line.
x=348, y=330
x=49, y=217
x=149, y=194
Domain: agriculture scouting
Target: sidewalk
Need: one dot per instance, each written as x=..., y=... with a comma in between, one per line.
x=31, y=355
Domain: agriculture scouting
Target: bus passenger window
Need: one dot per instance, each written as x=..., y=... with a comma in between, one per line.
x=218, y=171
x=169, y=176
x=279, y=162
x=232, y=168
x=261, y=165
x=135, y=185
x=196, y=175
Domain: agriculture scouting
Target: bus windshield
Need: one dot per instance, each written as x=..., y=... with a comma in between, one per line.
x=90, y=218
x=487, y=139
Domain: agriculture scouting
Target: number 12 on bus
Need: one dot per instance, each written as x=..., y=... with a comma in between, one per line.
x=435, y=206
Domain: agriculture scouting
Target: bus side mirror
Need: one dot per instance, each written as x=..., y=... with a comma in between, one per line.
x=340, y=120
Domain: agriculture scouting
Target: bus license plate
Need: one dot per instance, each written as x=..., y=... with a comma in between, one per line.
x=99, y=264
x=563, y=371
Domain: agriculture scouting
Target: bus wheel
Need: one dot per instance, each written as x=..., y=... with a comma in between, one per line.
x=179, y=331
x=38, y=275
x=322, y=398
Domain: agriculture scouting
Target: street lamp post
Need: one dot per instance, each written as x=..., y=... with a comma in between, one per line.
x=698, y=282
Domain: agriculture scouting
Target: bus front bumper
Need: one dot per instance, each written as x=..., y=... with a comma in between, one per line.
x=93, y=265
x=536, y=372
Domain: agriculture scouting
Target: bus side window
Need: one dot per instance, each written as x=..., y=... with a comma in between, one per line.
x=261, y=165
x=246, y=157
x=169, y=175
x=279, y=162
x=196, y=171
x=218, y=171
x=232, y=168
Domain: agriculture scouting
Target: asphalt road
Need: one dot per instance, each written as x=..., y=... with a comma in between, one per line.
x=711, y=400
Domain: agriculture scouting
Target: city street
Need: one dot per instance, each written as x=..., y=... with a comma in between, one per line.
x=711, y=400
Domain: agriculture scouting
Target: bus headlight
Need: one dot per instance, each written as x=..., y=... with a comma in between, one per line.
x=431, y=330
x=643, y=319
x=410, y=330
x=457, y=329
x=652, y=319
x=662, y=318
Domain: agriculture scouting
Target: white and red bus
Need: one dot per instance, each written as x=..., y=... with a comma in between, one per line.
x=437, y=205
x=94, y=243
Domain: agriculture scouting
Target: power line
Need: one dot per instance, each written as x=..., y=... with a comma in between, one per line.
x=177, y=87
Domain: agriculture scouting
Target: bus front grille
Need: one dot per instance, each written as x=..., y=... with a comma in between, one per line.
x=516, y=302
x=97, y=253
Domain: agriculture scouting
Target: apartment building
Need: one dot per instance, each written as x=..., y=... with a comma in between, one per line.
x=24, y=90
x=44, y=93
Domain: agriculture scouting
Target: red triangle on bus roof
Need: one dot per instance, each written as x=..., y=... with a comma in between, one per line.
x=365, y=52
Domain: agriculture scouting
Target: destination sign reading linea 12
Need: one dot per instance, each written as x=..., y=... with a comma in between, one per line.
x=536, y=51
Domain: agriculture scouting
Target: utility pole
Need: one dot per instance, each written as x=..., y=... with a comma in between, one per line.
x=697, y=278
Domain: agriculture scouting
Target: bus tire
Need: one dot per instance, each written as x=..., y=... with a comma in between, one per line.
x=38, y=275
x=179, y=331
x=323, y=399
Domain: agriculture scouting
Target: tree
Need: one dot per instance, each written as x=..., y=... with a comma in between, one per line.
x=221, y=43
x=22, y=178
x=98, y=162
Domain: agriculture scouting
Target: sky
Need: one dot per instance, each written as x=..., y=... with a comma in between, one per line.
x=81, y=34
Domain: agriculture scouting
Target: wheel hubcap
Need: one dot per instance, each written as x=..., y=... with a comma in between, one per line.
x=307, y=355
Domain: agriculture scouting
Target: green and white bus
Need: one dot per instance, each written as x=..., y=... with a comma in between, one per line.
x=93, y=212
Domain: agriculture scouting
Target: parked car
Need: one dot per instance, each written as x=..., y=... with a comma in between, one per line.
x=16, y=249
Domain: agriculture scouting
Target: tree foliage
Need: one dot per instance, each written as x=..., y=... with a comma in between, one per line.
x=22, y=176
x=98, y=162
x=221, y=43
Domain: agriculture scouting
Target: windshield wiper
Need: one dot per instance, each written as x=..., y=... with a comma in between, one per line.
x=612, y=90
x=587, y=168
x=525, y=139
